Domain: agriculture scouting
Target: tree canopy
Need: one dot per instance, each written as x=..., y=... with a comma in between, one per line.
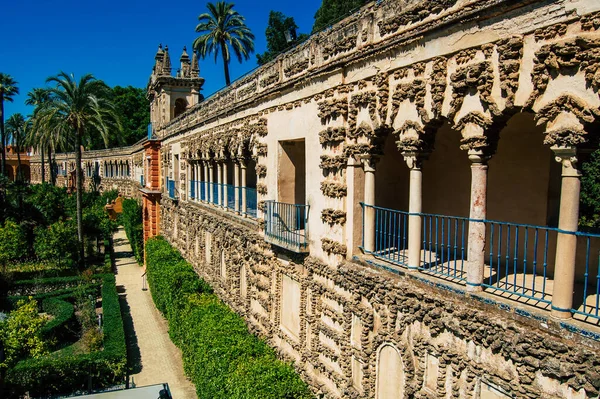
x=277, y=42
x=133, y=109
x=331, y=11
x=223, y=29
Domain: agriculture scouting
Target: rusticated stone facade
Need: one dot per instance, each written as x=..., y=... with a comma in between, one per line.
x=440, y=110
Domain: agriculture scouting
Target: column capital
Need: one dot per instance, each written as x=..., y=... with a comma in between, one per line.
x=479, y=157
x=414, y=159
x=567, y=156
x=369, y=161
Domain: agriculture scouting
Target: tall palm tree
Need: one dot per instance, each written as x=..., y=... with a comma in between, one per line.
x=78, y=110
x=221, y=28
x=36, y=98
x=17, y=127
x=8, y=89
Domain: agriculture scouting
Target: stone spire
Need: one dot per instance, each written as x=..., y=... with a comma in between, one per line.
x=158, y=60
x=185, y=64
x=166, y=69
x=195, y=67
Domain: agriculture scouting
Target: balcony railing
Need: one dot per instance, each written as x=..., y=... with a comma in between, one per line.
x=228, y=192
x=171, y=189
x=519, y=258
x=142, y=183
x=286, y=225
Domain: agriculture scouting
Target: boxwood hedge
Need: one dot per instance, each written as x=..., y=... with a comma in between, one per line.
x=221, y=357
x=67, y=373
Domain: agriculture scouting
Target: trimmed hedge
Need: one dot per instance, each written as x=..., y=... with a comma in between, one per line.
x=65, y=374
x=131, y=219
x=62, y=327
x=221, y=357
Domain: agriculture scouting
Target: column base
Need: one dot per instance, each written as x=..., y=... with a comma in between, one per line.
x=561, y=314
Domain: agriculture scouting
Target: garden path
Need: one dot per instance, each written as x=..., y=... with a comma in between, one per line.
x=152, y=355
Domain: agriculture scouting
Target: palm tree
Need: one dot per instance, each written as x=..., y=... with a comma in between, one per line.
x=36, y=98
x=220, y=28
x=76, y=111
x=17, y=126
x=8, y=89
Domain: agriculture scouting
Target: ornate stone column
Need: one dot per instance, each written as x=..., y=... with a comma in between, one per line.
x=477, y=213
x=219, y=183
x=369, y=163
x=206, y=180
x=566, y=244
x=210, y=183
x=236, y=184
x=414, y=160
x=225, y=187
x=244, y=204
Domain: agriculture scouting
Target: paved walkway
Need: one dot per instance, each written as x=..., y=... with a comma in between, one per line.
x=153, y=357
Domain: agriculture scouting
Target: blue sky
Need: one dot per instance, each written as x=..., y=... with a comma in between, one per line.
x=116, y=40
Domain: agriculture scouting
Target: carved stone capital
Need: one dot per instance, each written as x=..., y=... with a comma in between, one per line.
x=479, y=157
x=369, y=161
x=414, y=159
x=567, y=156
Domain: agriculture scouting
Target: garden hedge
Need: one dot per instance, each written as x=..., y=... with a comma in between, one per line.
x=221, y=357
x=63, y=326
x=131, y=219
x=68, y=373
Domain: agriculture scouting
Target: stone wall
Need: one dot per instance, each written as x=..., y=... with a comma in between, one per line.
x=358, y=331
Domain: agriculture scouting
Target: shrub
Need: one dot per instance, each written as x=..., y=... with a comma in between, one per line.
x=21, y=334
x=57, y=242
x=131, y=219
x=68, y=372
x=220, y=356
x=62, y=326
x=12, y=242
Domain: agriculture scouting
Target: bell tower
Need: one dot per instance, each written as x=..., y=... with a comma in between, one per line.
x=169, y=95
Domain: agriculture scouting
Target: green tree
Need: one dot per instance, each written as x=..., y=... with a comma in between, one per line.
x=79, y=111
x=21, y=334
x=221, y=28
x=8, y=89
x=331, y=11
x=13, y=242
x=133, y=110
x=56, y=242
x=590, y=192
x=36, y=98
x=277, y=41
x=17, y=127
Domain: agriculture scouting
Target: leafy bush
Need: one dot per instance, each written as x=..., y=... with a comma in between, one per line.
x=131, y=219
x=590, y=192
x=21, y=334
x=62, y=326
x=69, y=372
x=13, y=242
x=57, y=242
x=219, y=354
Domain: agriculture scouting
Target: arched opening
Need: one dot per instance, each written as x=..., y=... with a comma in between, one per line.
x=180, y=107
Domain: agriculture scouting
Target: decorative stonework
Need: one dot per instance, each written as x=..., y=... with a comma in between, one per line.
x=333, y=189
x=332, y=136
x=333, y=247
x=332, y=162
x=331, y=109
x=333, y=216
x=413, y=14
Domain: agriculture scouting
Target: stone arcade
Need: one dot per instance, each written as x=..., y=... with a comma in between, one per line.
x=393, y=204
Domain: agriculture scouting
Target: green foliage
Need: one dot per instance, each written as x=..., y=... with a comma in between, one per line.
x=66, y=372
x=332, y=11
x=223, y=30
x=278, y=25
x=133, y=109
x=21, y=334
x=131, y=219
x=590, y=192
x=13, y=243
x=61, y=327
x=57, y=242
x=219, y=354
x=49, y=201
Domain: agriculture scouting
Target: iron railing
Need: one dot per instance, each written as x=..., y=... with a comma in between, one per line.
x=519, y=258
x=228, y=191
x=192, y=189
x=142, y=183
x=286, y=225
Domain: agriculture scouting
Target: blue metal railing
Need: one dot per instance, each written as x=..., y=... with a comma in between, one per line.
x=192, y=189
x=142, y=183
x=171, y=188
x=519, y=258
x=286, y=225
